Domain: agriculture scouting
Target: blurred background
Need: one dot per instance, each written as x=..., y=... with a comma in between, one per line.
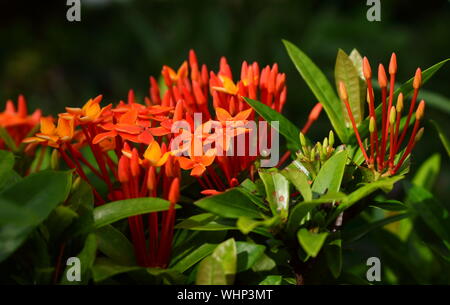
x=119, y=43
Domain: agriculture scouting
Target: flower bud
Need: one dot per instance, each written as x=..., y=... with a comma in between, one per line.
x=399, y=106
x=367, y=71
x=372, y=124
x=124, y=169
x=331, y=138
x=417, y=79
x=382, y=79
x=315, y=112
x=134, y=163
x=392, y=116
x=174, y=191
x=302, y=140
x=419, y=135
x=54, y=160
x=393, y=64
x=420, y=110
x=151, y=178
x=343, y=91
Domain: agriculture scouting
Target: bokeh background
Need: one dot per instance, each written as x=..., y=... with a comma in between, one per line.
x=119, y=44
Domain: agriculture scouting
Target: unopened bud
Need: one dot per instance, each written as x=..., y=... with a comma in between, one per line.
x=174, y=192
x=420, y=110
x=302, y=139
x=124, y=169
x=312, y=155
x=419, y=135
x=325, y=143
x=392, y=116
x=382, y=78
x=393, y=64
x=331, y=138
x=372, y=124
x=417, y=79
x=151, y=178
x=399, y=106
x=315, y=112
x=343, y=91
x=134, y=163
x=367, y=71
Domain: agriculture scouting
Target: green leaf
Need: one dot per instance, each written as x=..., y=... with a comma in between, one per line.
x=194, y=257
x=310, y=241
x=303, y=208
x=87, y=258
x=296, y=176
x=117, y=210
x=428, y=172
x=26, y=204
x=333, y=254
x=388, y=205
x=226, y=254
x=247, y=255
x=6, y=167
x=59, y=220
x=204, y=222
x=424, y=205
x=285, y=127
x=321, y=88
x=115, y=245
x=351, y=235
x=264, y=263
x=233, y=203
x=271, y=280
x=210, y=272
x=330, y=175
x=105, y=268
x=277, y=192
x=81, y=200
x=220, y=267
x=346, y=72
x=247, y=225
x=444, y=138
x=366, y=190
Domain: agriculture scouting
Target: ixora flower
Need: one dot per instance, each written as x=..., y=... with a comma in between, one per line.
x=17, y=122
x=131, y=142
x=385, y=143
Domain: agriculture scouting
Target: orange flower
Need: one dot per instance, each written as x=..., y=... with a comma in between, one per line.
x=154, y=155
x=90, y=112
x=127, y=128
x=197, y=164
x=228, y=86
x=51, y=134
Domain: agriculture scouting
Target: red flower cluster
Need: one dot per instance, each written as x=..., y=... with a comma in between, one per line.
x=132, y=143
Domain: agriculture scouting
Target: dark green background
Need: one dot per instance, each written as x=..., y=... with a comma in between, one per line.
x=119, y=44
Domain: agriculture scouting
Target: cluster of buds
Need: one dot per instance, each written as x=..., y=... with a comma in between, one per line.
x=140, y=149
x=16, y=123
x=386, y=142
x=313, y=157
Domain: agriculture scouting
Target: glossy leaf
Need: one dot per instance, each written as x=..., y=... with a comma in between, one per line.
x=443, y=136
x=233, y=203
x=271, y=280
x=277, y=192
x=115, y=245
x=26, y=204
x=210, y=272
x=117, y=210
x=428, y=172
x=333, y=254
x=203, y=222
x=248, y=254
x=321, y=88
x=194, y=257
x=330, y=175
x=105, y=268
x=311, y=242
x=296, y=176
x=247, y=225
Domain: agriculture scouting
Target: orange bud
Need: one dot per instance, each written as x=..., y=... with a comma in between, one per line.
x=367, y=71
x=420, y=110
x=419, y=135
x=174, y=192
x=382, y=79
x=192, y=58
x=178, y=114
x=343, y=91
x=315, y=112
x=98, y=99
x=417, y=79
x=124, y=169
x=399, y=105
x=393, y=64
x=151, y=178
x=134, y=163
x=130, y=96
x=22, y=106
